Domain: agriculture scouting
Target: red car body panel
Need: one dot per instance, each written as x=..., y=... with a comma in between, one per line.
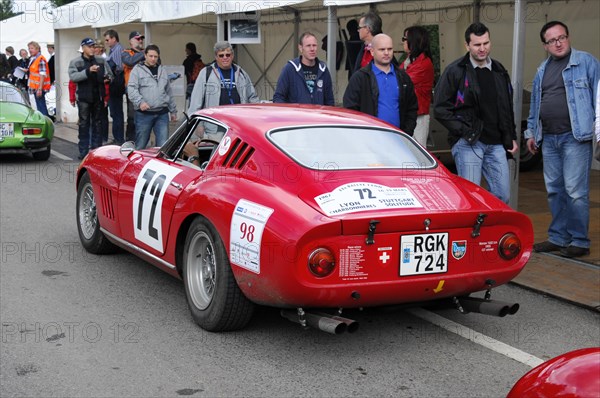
x=251, y=169
x=575, y=374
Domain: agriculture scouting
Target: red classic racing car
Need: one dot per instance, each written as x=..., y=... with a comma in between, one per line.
x=300, y=208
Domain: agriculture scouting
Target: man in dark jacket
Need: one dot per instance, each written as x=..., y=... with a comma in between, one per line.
x=192, y=65
x=305, y=80
x=473, y=100
x=382, y=90
x=89, y=72
x=51, y=70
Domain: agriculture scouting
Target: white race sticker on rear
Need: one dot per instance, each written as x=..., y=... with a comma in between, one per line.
x=247, y=226
x=148, y=195
x=424, y=254
x=365, y=196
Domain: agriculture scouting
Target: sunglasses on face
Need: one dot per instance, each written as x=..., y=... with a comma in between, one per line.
x=226, y=55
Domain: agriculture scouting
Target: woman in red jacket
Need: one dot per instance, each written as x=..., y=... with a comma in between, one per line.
x=419, y=67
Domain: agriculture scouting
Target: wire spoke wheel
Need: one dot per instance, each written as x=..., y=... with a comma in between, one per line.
x=88, y=218
x=88, y=226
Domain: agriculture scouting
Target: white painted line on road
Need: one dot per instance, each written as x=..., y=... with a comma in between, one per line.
x=476, y=337
x=59, y=155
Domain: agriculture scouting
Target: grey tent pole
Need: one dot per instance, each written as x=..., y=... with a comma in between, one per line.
x=332, y=28
x=517, y=82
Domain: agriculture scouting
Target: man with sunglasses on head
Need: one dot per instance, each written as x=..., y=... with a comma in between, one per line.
x=130, y=58
x=222, y=83
x=561, y=123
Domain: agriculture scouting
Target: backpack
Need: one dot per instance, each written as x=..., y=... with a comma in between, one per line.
x=198, y=66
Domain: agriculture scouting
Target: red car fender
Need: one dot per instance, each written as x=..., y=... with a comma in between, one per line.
x=574, y=374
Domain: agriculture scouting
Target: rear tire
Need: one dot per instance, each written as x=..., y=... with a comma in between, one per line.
x=215, y=300
x=88, y=226
x=42, y=155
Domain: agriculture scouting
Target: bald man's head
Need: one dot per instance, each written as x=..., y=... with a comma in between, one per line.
x=382, y=48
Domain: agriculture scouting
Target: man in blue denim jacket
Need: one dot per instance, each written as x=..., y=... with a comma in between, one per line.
x=561, y=121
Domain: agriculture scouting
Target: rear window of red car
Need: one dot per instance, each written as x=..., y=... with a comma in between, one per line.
x=350, y=147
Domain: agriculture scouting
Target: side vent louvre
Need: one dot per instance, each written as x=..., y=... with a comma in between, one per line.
x=238, y=155
x=107, y=203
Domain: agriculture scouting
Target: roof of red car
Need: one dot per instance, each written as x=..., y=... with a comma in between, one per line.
x=268, y=116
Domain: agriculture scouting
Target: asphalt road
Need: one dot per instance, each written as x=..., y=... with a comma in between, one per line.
x=80, y=325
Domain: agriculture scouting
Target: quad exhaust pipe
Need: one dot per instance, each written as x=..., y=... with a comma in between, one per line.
x=333, y=324
x=487, y=307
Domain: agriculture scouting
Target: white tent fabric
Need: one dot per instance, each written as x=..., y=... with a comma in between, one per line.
x=339, y=3
x=21, y=29
x=98, y=13
x=105, y=13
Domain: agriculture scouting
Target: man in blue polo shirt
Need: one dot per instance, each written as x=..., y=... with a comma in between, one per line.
x=393, y=98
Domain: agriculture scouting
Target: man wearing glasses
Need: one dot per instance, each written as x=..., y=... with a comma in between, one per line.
x=222, y=83
x=561, y=122
x=130, y=58
x=369, y=26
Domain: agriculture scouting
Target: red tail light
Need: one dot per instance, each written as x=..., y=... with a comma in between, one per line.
x=321, y=262
x=32, y=130
x=509, y=247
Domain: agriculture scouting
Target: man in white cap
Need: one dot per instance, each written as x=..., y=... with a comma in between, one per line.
x=88, y=72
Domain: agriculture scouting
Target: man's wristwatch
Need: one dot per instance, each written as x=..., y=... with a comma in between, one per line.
x=191, y=159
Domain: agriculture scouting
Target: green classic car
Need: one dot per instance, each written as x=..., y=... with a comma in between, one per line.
x=22, y=128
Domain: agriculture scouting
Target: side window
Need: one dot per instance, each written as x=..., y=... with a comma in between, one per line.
x=199, y=140
x=213, y=131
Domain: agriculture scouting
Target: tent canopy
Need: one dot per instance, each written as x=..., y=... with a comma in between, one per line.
x=39, y=29
x=106, y=13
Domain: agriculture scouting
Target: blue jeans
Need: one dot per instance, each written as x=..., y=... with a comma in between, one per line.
x=89, y=115
x=115, y=105
x=145, y=123
x=567, y=164
x=473, y=160
x=40, y=103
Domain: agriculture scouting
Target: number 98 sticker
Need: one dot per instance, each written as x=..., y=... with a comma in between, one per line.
x=247, y=226
x=148, y=195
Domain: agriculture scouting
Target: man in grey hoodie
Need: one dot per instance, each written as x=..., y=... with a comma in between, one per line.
x=222, y=82
x=150, y=92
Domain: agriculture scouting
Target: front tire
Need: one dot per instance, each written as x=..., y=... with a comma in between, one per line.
x=92, y=239
x=215, y=300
